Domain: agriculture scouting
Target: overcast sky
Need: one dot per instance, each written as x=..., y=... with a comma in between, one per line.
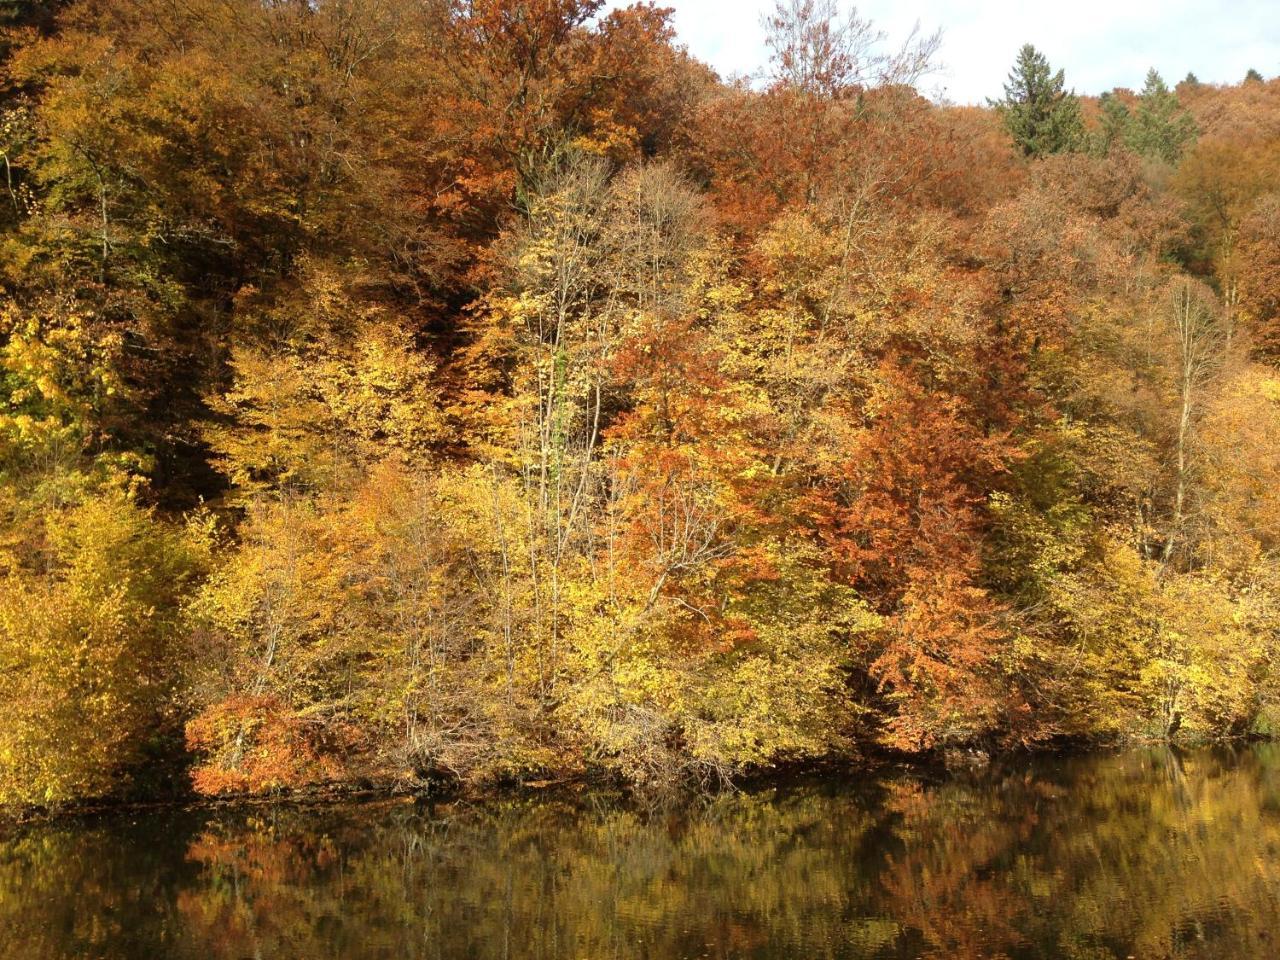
x=1101, y=43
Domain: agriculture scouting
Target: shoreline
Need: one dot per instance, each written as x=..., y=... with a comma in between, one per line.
x=934, y=766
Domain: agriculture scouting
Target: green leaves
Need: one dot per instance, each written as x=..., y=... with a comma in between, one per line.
x=1040, y=115
x=1162, y=127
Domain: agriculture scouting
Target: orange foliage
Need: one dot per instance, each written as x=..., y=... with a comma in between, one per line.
x=563, y=404
x=253, y=744
x=902, y=519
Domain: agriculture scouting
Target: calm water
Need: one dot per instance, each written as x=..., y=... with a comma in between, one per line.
x=1143, y=854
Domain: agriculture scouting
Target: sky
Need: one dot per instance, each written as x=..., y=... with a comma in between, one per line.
x=1101, y=44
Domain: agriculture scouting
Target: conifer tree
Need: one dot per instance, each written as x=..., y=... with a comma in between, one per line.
x=1161, y=127
x=1113, y=125
x=1038, y=112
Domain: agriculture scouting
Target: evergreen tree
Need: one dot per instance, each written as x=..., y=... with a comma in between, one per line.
x=1113, y=125
x=1253, y=76
x=1039, y=114
x=1191, y=80
x=1161, y=127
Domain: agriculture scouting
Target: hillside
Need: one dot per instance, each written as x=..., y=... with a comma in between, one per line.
x=404, y=390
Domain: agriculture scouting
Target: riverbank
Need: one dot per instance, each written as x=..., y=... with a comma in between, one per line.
x=928, y=766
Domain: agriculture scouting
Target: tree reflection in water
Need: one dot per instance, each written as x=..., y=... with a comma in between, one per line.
x=1147, y=854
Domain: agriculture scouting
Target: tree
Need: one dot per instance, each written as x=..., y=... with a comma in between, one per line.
x=1257, y=259
x=569, y=409
x=815, y=51
x=1253, y=76
x=1113, y=123
x=900, y=518
x=1200, y=340
x=1160, y=128
x=93, y=665
x=1039, y=114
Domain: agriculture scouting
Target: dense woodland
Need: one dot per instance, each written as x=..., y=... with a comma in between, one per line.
x=405, y=391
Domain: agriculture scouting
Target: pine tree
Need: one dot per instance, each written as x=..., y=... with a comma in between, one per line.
x=1253, y=76
x=1039, y=114
x=1161, y=127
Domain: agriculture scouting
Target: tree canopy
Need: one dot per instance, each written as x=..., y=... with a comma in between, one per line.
x=1039, y=113
x=395, y=392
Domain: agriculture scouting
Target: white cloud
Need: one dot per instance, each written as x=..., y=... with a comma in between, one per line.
x=1100, y=43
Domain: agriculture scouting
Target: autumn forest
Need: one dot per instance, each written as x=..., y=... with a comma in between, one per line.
x=404, y=393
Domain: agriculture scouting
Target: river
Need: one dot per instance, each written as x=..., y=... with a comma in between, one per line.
x=1142, y=853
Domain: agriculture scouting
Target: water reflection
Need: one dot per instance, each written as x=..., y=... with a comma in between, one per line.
x=1142, y=854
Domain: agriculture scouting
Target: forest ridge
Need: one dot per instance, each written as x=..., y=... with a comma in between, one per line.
x=404, y=391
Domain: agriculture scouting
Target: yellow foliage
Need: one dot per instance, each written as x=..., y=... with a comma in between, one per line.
x=301, y=417
x=91, y=650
